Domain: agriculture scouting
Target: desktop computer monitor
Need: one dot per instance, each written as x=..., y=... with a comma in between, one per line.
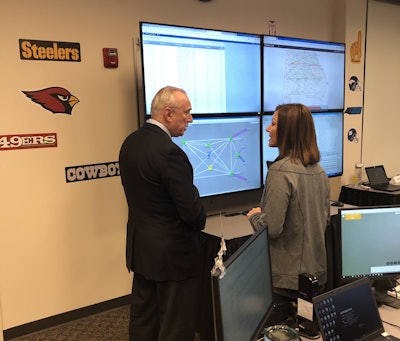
x=369, y=245
x=242, y=297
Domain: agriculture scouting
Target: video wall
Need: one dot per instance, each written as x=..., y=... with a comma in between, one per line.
x=234, y=81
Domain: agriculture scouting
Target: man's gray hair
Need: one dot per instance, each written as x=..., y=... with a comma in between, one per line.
x=163, y=98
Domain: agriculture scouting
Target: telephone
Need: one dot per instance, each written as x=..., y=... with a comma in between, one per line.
x=395, y=180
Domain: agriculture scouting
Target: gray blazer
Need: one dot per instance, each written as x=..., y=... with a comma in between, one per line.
x=296, y=208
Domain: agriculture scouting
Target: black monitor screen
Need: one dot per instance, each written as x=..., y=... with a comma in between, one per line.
x=220, y=70
x=303, y=71
x=348, y=313
x=242, y=298
x=369, y=244
x=224, y=153
x=329, y=130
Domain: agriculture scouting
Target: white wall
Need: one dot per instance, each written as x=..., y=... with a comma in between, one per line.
x=381, y=137
x=62, y=245
x=355, y=24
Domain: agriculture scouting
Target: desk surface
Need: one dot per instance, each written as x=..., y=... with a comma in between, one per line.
x=231, y=227
x=390, y=316
x=359, y=196
x=236, y=226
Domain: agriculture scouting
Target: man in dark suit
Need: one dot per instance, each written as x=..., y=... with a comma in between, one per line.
x=164, y=222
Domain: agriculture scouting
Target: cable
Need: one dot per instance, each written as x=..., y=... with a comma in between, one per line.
x=391, y=324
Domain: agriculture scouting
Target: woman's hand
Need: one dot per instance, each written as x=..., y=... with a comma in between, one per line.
x=254, y=210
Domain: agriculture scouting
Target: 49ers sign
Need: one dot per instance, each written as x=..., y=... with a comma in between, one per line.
x=26, y=141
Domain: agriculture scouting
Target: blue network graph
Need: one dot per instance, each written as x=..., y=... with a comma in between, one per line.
x=224, y=155
x=217, y=157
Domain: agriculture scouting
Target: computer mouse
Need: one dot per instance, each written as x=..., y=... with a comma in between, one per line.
x=337, y=203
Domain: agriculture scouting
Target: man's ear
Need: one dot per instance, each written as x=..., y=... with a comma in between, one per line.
x=167, y=113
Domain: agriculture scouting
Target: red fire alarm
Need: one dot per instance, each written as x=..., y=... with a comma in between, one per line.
x=110, y=57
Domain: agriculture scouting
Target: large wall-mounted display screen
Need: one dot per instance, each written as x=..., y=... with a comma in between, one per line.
x=304, y=71
x=224, y=153
x=234, y=81
x=220, y=70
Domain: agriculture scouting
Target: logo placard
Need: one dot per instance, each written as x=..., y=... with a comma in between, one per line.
x=91, y=172
x=27, y=141
x=55, y=99
x=49, y=50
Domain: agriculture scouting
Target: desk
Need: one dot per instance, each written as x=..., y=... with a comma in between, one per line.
x=390, y=316
x=355, y=195
x=237, y=230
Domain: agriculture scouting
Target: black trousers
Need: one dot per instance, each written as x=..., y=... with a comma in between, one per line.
x=163, y=311
x=282, y=306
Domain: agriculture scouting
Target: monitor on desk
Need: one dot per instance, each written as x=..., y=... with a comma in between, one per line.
x=242, y=298
x=369, y=245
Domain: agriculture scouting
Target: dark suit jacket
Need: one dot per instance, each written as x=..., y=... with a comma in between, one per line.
x=165, y=211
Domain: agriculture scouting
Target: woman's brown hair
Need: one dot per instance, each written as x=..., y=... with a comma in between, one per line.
x=296, y=136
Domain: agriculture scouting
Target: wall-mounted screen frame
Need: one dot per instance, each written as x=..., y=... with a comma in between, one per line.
x=241, y=76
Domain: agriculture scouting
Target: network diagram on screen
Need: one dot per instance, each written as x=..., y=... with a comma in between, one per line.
x=224, y=153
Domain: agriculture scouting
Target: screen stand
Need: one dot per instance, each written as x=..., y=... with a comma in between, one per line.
x=381, y=287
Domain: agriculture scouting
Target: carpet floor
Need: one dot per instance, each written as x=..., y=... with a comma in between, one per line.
x=111, y=325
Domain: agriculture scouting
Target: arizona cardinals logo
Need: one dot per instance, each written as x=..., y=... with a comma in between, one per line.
x=55, y=99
